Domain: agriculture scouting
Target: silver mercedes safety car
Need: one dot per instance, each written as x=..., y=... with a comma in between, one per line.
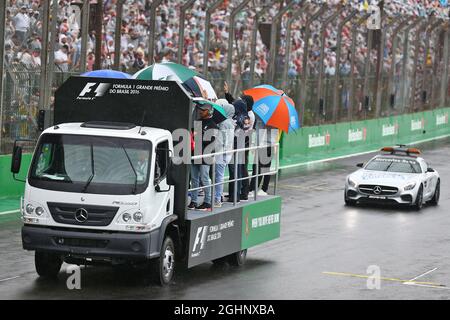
x=399, y=175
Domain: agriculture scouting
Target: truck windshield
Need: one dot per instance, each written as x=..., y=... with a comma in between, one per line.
x=394, y=165
x=92, y=164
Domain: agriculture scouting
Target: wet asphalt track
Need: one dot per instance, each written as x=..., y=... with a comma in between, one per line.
x=323, y=253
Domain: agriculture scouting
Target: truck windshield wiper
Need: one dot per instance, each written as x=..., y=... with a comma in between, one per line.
x=92, y=170
x=132, y=167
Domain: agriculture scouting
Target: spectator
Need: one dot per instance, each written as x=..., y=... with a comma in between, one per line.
x=21, y=24
x=138, y=63
x=90, y=61
x=61, y=58
x=25, y=57
x=167, y=55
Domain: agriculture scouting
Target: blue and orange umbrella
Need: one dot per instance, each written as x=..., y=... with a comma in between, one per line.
x=274, y=107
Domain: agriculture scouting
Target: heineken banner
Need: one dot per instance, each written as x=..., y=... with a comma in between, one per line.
x=329, y=141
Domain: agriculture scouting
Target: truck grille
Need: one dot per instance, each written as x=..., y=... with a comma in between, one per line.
x=371, y=189
x=99, y=216
x=84, y=243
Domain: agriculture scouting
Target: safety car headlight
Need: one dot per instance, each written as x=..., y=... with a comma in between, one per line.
x=410, y=186
x=351, y=182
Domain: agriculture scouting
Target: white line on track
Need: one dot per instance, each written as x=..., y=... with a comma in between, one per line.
x=2, y=280
x=423, y=274
x=8, y=212
x=412, y=283
x=427, y=286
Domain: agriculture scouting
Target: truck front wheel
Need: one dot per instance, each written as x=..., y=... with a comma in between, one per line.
x=47, y=264
x=163, y=268
x=237, y=259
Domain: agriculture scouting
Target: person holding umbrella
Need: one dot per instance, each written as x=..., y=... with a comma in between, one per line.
x=275, y=110
x=267, y=136
x=245, y=119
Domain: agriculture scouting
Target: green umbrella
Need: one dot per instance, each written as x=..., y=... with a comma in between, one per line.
x=219, y=114
x=165, y=71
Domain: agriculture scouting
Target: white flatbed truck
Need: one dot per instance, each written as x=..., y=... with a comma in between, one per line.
x=103, y=187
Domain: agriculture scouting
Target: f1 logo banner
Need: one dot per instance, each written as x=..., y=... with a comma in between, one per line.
x=214, y=236
x=92, y=90
x=200, y=240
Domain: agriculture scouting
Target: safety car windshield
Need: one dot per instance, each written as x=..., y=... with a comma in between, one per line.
x=394, y=165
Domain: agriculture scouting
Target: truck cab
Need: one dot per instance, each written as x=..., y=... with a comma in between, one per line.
x=97, y=191
x=116, y=172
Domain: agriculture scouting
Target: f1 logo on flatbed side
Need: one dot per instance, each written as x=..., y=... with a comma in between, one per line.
x=92, y=90
x=200, y=241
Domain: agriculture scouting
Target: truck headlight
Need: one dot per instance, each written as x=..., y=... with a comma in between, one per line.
x=126, y=217
x=410, y=186
x=39, y=211
x=29, y=209
x=351, y=182
x=138, y=216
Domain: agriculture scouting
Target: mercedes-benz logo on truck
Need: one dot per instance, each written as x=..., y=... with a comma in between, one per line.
x=81, y=215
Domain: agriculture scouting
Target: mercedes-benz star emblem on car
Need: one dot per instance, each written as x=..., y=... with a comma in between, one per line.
x=377, y=190
x=81, y=215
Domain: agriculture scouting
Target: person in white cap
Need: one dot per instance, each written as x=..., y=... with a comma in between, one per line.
x=21, y=23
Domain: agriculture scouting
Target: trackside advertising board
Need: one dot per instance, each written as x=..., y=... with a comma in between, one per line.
x=328, y=141
x=232, y=229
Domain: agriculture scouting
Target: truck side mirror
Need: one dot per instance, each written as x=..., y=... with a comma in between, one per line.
x=16, y=159
x=41, y=120
x=360, y=165
x=164, y=175
x=172, y=170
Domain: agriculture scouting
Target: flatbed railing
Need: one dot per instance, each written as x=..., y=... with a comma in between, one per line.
x=235, y=156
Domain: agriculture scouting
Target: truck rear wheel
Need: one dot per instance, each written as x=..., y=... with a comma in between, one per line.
x=47, y=264
x=237, y=259
x=163, y=268
x=220, y=261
